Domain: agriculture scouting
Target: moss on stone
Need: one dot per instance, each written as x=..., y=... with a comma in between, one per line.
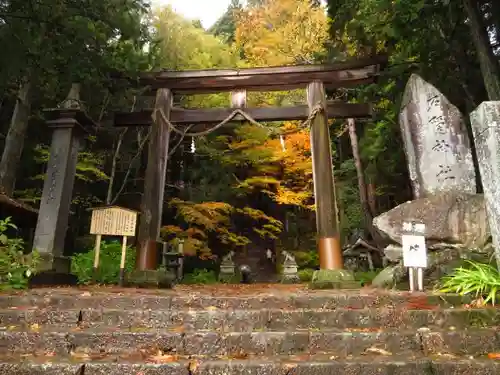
x=333, y=279
x=151, y=279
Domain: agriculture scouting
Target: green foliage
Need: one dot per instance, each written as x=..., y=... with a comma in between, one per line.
x=109, y=263
x=88, y=168
x=15, y=266
x=306, y=274
x=307, y=259
x=351, y=210
x=200, y=276
x=481, y=280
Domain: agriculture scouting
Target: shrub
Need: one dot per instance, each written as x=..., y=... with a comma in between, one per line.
x=306, y=274
x=482, y=280
x=307, y=259
x=16, y=267
x=200, y=276
x=109, y=263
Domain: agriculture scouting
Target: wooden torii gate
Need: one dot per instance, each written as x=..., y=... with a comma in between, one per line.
x=315, y=78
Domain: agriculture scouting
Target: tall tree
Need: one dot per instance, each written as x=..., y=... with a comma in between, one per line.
x=100, y=32
x=225, y=27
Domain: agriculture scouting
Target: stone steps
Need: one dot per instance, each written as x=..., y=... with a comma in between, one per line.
x=146, y=299
x=341, y=344
x=280, y=331
x=255, y=320
x=320, y=365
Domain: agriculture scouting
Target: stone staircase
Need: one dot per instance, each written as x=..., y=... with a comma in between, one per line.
x=250, y=330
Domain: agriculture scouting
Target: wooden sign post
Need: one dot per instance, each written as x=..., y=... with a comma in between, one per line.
x=113, y=221
x=414, y=253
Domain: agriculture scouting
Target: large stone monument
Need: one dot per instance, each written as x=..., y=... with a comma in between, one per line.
x=436, y=142
x=486, y=130
x=69, y=124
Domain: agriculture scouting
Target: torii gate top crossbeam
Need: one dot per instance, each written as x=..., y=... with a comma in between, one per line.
x=343, y=74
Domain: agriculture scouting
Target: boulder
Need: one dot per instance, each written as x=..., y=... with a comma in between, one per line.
x=449, y=217
x=393, y=253
x=441, y=263
x=389, y=276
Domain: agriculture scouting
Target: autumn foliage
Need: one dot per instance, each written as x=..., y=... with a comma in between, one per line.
x=281, y=32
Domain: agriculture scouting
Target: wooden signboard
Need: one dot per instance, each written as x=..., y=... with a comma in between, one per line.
x=113, y=221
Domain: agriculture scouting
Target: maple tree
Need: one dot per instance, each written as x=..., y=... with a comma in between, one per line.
x=281, y=166
x=279, y=32
x=207, y=224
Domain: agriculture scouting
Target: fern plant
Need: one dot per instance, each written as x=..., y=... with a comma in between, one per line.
x=482, y=280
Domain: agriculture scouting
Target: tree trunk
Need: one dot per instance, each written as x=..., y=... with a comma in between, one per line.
x=372, y=197
x=14, y=141
x=490, y=68
x=363, y=190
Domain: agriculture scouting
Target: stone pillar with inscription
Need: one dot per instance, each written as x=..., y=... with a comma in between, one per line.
x=69, y=124
x=436, y=142
x=486, y=130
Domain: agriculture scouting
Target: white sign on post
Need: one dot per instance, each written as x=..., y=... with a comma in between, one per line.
x=414, y=252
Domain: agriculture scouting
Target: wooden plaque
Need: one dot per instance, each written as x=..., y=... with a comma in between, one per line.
x=113, y=221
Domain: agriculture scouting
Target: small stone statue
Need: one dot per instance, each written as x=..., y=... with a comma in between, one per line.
x=290, y=271
x=289, y=258
x=228, y=258
x=227, y=268
x=269, y=254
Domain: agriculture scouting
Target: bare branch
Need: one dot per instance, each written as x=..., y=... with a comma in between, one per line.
x=113, y=166
x=179, y=141
x=103, y=108
x=117, y=150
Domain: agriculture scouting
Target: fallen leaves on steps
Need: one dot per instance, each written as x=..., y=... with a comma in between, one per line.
x=374, y=350
x=193, y=367
x=160, y=357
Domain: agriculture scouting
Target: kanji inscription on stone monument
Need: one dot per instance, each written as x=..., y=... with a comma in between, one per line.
x=436, y=141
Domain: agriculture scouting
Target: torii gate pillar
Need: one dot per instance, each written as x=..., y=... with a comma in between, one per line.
x=327, y=223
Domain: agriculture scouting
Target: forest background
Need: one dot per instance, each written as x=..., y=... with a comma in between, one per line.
x=237, y=188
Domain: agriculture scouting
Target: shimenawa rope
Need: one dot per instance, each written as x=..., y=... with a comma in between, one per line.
x=316, y=109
